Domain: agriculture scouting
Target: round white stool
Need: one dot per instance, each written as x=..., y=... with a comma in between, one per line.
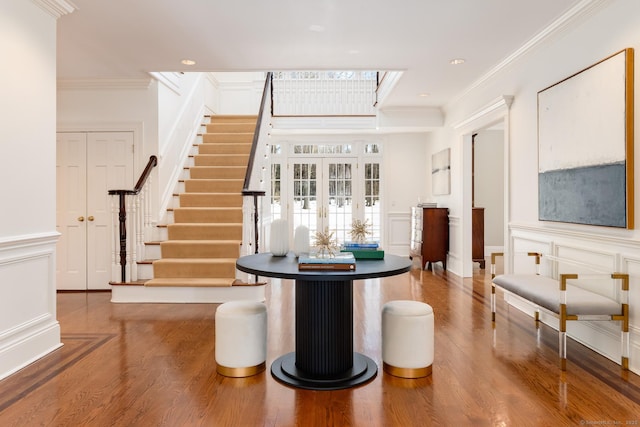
x=407, y=338
x=241, y=338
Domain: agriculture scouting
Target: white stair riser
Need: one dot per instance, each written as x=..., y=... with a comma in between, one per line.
x=145, y=271
x=152, y=252
x=162, y=233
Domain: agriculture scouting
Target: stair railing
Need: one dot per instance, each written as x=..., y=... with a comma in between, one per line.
x=248, y=185
x=139, y=206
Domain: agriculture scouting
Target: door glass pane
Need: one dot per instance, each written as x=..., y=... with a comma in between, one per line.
x=276, y=188
x=305, y=209
x=340, y=203
x=372, y=204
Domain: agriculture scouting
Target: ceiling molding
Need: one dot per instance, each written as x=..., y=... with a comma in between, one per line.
x=386, y=85
x=56, y=8
x=104, y=84
x=570, y=17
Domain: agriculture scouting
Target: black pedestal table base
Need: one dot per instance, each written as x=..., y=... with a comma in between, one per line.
x=284, y=370
x=324, y=358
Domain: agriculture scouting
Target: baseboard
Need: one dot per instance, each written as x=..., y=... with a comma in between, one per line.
x=16, y=354
x=194, y=295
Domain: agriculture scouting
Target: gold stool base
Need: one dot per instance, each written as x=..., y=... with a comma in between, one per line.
x=241, y=372
x=407, y=372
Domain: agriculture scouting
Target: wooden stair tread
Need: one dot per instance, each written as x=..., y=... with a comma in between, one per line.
x=131, y=283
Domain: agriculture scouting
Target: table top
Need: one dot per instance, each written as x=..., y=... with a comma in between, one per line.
x=286, y=267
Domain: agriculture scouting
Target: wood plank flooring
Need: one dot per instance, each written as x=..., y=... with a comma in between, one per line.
x=153, y=365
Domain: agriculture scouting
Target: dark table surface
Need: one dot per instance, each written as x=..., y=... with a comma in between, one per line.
x=286, y=267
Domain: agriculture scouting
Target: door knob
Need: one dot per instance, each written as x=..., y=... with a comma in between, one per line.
x=80, y=218
x=91, y=218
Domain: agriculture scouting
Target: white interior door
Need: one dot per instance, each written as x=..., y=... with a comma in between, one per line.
x=71, y=190
x=89, y=164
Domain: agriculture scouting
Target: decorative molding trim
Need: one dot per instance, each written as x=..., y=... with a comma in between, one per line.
x=56, y=8
x=622, y=239
x=497, y=104
x=386, y=85
x=581, y=9
x=104, y=84
x=28, y=240
x=169, y=79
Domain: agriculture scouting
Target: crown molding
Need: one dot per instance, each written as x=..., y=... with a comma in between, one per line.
x=104, y=84
x=56, y=8
x=581, y=9
x=501, y=102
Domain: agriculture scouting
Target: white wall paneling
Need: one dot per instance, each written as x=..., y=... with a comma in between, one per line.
x=398, y=233
x=28, y=325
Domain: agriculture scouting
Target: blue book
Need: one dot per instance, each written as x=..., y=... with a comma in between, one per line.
x=364, y=245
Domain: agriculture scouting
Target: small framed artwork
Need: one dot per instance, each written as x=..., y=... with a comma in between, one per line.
x=585, y=146
x=441, y=172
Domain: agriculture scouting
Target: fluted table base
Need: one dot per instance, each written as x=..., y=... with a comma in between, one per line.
x=324, y=358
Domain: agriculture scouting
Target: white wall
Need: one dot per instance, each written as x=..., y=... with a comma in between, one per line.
x=113, y=106
x=28, y=325
x=405, y=181
x=489, y=184
x=608, y=28
x=239, y=93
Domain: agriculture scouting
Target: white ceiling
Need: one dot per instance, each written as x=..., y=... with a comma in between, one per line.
x=125, y=39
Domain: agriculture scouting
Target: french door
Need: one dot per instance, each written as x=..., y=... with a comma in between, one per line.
x=88, y=164
x=324, y=194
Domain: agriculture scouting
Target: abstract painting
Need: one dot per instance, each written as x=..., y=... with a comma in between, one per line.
x=585, y=146
x=441, y=172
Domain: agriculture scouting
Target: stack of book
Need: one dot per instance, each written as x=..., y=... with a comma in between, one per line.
x=365, y=250
x=342, y=261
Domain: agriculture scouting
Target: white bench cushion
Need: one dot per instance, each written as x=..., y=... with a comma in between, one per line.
x=545, y=292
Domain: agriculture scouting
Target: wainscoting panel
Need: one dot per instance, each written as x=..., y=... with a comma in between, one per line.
x=398, y=233
x=28, y=325
x=454, y=259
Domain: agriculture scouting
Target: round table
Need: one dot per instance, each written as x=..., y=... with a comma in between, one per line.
x=324, y=358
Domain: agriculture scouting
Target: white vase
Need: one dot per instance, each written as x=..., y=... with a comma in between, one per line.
x=301, y=240
x=279, y=239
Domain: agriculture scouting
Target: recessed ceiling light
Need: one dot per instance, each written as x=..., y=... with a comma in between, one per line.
x=316, y=28
x=188, y=62
x=353, y=52
x=424, y=94
x=456, y=61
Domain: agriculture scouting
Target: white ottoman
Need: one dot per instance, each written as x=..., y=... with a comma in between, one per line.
x=407, y=338
x=241, y=338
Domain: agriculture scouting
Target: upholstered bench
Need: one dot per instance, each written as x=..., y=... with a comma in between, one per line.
x=566, y=301
x=407, y=338
x=241, y=338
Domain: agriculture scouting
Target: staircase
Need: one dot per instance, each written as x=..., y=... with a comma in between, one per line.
x=204, y=228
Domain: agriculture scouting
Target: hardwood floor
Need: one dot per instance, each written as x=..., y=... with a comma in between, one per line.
x=153, y=364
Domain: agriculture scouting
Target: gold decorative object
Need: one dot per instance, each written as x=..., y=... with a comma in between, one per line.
x=359, y=230
x=326, y=245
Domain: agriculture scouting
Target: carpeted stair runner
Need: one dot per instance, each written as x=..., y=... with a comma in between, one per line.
x=204, y=239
